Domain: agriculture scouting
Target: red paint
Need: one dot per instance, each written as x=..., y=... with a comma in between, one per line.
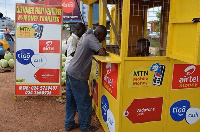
x=68, y=6
x=49, y=46
x=186, y=76
x=109, y=78
x=47, y=75
x=144, y=110
x=37, y=89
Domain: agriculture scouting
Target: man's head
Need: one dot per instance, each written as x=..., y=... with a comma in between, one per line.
x=100, y=33
x=80, y=29
x=142, y=47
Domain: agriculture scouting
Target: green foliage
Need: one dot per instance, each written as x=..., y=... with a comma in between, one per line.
x=63, y=27
x=156, y=54
x=158, y=15
x=154, y=44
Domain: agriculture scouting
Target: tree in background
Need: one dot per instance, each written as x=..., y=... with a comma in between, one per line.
x=157, y=27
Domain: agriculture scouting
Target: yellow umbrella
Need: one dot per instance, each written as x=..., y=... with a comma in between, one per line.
x=5, y=44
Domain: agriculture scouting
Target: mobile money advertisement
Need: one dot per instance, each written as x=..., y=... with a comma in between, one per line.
x=71, y=12
x=186, y=76
x=146, y=76
x=109, y=78
x=38, y=48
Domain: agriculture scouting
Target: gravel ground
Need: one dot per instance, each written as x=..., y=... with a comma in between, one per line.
x=31, y=113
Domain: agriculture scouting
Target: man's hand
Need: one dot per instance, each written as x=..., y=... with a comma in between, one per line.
x=102, y=52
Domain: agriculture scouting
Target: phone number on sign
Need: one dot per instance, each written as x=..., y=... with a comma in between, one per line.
x=37, y=90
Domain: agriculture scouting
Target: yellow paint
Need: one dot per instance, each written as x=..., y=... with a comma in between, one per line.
x=25, y=31
x=125, y=29
x=5, y=44
x=15, y=97
x=182, y=47
x=183, y=34
x=113, y=16
x=88, y=2
x=102, y=17
x=140, y=77
x=191, y=94
x=20, y=80
x=90, y=16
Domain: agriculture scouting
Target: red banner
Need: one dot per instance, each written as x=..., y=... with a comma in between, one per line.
x=186, y=76
x=37, y=89
x=71, y=11
x=144, y=110
x=47, y=75
x=109, y=78
x=94, y=90
x=49, y=46
x=38, y=14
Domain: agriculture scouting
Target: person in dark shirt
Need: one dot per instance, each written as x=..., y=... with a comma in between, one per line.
x=142, y=47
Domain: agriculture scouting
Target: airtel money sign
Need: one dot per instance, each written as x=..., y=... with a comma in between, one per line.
x=71, y=11
x=186, y=76
x=68, y=6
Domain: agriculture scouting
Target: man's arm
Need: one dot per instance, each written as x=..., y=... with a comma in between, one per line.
x=102, y=52
x=72, y=54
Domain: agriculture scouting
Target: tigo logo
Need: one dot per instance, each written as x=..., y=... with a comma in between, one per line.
x=178, y=110
x=23, y=56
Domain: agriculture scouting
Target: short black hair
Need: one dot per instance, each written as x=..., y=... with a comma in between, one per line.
x=101, y=27
x=80, y=26
x=144, y=41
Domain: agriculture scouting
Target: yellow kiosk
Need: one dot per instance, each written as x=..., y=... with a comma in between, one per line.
x=155, y=94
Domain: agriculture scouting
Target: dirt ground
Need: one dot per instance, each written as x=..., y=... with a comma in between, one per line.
x=31, y=113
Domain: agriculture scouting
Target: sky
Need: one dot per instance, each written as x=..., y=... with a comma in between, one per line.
x=7, y=7
x=151, y=15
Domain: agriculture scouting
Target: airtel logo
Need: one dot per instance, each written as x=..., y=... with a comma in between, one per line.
x=188, y=78
x=68, y=6
x=190, y=69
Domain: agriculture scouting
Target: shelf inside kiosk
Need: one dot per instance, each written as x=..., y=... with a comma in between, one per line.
x=148, y=19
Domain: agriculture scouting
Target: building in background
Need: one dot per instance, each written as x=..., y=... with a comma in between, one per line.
x=153, y=25
x=6, y=22
x=85, y=9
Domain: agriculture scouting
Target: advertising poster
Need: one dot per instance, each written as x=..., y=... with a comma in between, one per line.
x=107, y=114
x=144, y=110
x=186, y=76
x=71, y=12
x=184, y=110
x=94, y=90
x=109, y=78
x=146, y=76
x=38, y=38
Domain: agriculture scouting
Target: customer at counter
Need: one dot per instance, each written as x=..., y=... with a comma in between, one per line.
x=77, y=75
x=72, y=42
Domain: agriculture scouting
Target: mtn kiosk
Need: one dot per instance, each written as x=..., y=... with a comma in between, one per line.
x=155, y=94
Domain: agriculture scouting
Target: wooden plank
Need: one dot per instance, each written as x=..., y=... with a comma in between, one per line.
x=7, y=69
